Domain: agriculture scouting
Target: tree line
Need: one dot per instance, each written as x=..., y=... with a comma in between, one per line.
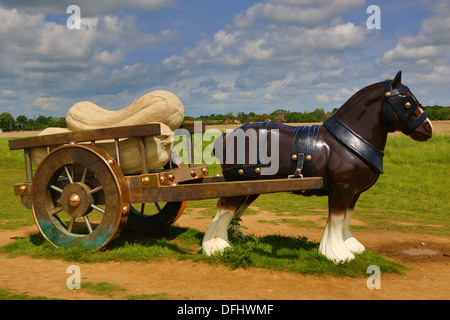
x=22, y=123
x=8, y=123
x=280, y=115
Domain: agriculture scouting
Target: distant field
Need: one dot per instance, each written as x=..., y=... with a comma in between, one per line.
x=440, y=128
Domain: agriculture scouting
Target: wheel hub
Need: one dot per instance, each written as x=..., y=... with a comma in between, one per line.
x=76, y=199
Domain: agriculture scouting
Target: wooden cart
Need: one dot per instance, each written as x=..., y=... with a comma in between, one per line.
x=79, y=195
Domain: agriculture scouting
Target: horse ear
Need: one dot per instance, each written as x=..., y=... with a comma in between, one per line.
x=397, y=80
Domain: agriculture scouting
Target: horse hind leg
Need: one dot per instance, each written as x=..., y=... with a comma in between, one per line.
x=216, y=237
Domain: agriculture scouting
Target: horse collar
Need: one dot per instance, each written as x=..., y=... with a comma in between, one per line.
x=370, y=154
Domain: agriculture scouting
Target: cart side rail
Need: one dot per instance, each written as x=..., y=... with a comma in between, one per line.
x=143, y=130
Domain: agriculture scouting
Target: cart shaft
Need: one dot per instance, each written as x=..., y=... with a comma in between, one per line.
x=216, y=187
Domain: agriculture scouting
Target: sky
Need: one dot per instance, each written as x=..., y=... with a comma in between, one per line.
x=218, y=56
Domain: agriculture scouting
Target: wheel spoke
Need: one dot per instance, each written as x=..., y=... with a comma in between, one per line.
x=68, y=174
x=56, y=211
x=158, y=206
x=56, y=188
x=72, y=221
x=93, y=206
x=88, y=223
x=96, y=190
x=83, y=178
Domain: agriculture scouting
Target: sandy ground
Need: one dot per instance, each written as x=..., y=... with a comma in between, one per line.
x=426, y=256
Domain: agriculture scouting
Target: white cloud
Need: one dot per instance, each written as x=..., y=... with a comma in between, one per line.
x=88, y=7
x=425, y=54
x=46, y=103
x=338, y=95
x=302, y=12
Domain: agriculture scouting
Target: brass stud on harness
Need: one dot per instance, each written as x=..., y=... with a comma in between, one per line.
x=241, y=172
x=388, y=94
x=308, y=157
x=294, y=157
x=258, y=170
x=407, y=105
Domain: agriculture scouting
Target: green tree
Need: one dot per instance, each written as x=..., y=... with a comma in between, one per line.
x=21, y=122
x=319, y=115
x=7, y=122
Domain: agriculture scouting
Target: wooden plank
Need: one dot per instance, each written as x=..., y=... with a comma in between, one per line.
x=191, y=127
x=211, y=190
x=150, y=129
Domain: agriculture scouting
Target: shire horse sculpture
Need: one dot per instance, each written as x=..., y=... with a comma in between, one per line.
x=346, y=151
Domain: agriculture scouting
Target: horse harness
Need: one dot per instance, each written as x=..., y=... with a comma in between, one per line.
x=305, y=137
x=302, y=151
x=372, y=156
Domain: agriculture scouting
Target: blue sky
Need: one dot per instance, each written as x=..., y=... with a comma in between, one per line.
x=218, y=56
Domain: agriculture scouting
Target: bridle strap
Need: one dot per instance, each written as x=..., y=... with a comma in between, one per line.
x=398, y=106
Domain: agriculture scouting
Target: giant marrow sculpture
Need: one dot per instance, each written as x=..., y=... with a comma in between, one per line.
x=157, y=106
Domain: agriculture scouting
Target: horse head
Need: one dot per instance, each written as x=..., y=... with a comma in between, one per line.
x=404, y=112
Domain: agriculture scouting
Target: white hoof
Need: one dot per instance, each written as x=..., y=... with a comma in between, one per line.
x=354, y=245
x=336, y=253
x=215, y=245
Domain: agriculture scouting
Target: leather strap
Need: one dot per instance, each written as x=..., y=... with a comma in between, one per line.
x=241, y=171
x=398, y=106
x=302, y=150
x=371, y=155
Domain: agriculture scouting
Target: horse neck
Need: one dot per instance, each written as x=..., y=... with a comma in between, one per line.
x=363, y=113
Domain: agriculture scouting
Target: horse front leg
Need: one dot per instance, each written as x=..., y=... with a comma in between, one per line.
x=216, y=237
x=332, y=244
x=350, y=241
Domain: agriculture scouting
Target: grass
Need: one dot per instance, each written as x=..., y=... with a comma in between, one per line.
x=100, y=288
x=11, y=295
x=415, y=189
x=274, y=252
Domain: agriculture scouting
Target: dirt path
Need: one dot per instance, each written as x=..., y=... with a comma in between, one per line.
x=426, y=256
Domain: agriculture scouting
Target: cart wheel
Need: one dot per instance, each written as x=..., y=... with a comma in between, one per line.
x=79, y=197
x=160, y=215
